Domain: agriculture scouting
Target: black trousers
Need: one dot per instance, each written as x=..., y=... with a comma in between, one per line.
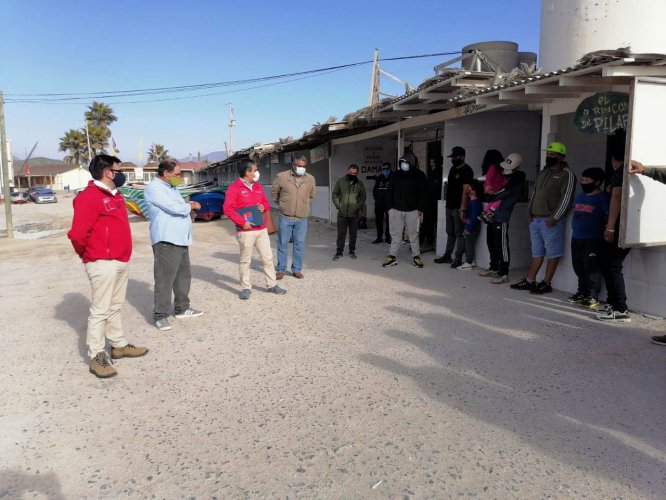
x=497, y=239
x=343, y=224
x=454, y=232
x=586, y=260
x=172, y=276
x=382, y=222
x=427, y=230
x=611, y=267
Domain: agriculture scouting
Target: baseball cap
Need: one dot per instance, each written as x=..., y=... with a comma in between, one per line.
x=457, y=151
x=511, y=163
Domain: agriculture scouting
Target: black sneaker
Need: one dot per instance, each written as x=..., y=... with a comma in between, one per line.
x=524, y=284
x=456, y=263
x=541, y=288
x=387, y=240
x=337, y=256
x=444, y=259
x=659, y=340
x=589, y=303
x=352, y=255
x=418, y=261
x=378, y=241
x=613, y=316
x=390, y=261
x=576, y=298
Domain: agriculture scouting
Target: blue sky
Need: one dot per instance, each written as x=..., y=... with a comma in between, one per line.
x=72, y=46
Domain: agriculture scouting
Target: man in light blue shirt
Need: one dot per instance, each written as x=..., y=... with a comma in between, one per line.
x=171, y=236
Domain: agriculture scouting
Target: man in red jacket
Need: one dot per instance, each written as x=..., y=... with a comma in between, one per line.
x=245, y=203
x=101, y=236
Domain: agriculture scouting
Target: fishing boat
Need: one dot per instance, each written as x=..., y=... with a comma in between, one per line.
x=210, y=208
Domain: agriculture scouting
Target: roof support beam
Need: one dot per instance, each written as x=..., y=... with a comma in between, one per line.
x=422, y=106
x=581, y=81
x=634, y=71
x=551, y=91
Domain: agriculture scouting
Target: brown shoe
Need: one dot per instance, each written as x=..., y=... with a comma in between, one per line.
x=279, y=275
x=101, y=367
x=299, y=276
x=128, y=351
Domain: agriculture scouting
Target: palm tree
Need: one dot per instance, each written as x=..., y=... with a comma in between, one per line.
x=99, y=138
x=100, y=114
x=157, y=153
x=75, y=144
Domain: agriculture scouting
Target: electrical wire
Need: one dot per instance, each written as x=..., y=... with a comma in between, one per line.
x=67, y=98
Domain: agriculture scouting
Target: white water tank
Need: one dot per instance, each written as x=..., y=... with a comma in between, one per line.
x=499, y=54
x=572, y=28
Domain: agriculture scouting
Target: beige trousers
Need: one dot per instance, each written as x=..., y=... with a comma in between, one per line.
x=108, y=280
x=248, y=240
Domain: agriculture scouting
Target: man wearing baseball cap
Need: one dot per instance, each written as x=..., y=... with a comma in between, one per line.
x=549, y=205
x=459, y=175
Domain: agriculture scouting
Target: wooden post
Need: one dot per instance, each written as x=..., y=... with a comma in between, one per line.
x=5, y=171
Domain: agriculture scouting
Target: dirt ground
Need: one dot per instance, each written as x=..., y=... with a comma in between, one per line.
x=360, y=382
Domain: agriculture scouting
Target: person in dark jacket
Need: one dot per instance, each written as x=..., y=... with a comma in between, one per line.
x=102, y=238
x=405, y=201
x=497, y=232
x=434, y=194
x=381, y=212
x=349, y=198
x=459, y=175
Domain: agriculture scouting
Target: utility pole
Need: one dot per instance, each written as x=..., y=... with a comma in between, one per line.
x=374, y=80
x=89, y=150
x=232, y=124
x=5, y=171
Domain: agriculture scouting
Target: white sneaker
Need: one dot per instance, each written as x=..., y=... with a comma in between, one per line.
x=466, y=266
x=189, y=313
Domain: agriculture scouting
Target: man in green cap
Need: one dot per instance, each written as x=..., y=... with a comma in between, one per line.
x=547, y=211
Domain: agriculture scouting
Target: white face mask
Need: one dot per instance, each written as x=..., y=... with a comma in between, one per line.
x=300, y=171
x=404, y=166
x=255, y=177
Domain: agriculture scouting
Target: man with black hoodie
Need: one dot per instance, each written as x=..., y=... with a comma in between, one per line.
x=405, y=201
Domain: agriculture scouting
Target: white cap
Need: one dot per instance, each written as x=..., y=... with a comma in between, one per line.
x=511, y=163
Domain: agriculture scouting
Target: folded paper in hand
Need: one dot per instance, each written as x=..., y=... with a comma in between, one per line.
x=251, y=215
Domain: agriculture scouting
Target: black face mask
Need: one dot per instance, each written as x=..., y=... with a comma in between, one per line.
x=456, y=162
x=352, y=177
x=119, y=179
x=588, y=188
x=551, y=161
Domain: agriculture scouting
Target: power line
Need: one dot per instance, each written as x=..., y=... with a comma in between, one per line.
x=67, y=98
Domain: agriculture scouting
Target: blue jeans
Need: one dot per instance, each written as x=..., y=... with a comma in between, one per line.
x=288, y=229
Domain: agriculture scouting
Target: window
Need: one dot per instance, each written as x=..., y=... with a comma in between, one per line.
x=148, y=176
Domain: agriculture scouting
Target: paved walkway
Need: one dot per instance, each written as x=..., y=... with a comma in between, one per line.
x=361, y=382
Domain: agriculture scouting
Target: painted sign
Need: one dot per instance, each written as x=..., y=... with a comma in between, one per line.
x=319, y=153
x=603, y=113
x=373, y=155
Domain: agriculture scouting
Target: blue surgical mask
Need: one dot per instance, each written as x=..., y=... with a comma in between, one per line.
x=386, y=171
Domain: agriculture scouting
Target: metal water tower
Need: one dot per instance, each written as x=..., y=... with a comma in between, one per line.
x=572, y=28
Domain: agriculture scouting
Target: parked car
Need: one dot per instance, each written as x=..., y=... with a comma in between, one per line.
x=42, y=195
x=18, y=198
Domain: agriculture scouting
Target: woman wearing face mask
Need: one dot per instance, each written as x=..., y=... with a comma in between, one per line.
x=245, y=203
x=590, y=213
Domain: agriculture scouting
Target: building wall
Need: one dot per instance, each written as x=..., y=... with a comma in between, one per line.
x=368, y=155
x=508, y=132
x=75, y=179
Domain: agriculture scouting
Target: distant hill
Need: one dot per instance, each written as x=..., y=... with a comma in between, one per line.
x=211, y=157
x=39, y=161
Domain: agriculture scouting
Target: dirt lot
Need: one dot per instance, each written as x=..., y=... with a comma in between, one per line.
x=361, y=382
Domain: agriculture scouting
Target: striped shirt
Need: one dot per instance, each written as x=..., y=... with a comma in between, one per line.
x=553, y=194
